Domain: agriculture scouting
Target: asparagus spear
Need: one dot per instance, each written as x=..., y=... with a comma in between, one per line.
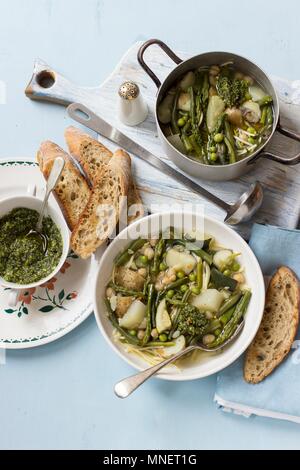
x=265, y=100
x=125, y=291
x=149, y=314
x=199, y=274
x=125, y=256
x=192, y=106
x=158, y=251
x=231, y=152
x=229, y=303
x=232, y=324
x=174, y=124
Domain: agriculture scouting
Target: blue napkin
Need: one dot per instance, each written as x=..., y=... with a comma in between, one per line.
x=278, y=396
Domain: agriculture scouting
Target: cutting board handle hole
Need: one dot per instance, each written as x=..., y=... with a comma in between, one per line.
x=45, y=79
x=82, y=115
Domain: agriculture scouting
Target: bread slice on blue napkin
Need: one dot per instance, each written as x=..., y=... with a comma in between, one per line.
x=278, y=328
x=278, y=395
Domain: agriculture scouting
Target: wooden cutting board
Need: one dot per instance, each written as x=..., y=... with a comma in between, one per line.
x=281, y=183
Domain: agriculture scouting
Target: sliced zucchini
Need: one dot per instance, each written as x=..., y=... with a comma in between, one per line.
x=163, y=320
x=215, y=108
x=178, y=346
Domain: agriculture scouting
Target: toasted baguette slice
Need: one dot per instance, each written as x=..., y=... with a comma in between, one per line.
x=278, y=328
x=92, y=156
x=106, y=202
x=72, y=191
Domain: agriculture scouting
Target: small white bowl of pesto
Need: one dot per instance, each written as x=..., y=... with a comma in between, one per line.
x=23, y=262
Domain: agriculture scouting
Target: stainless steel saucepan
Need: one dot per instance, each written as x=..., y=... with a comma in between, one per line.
x=216, y=172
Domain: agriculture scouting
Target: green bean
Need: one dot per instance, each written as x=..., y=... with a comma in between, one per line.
x=125, y=291
x=269, y=115
x=205, y=90
x=187, y=126
x=174, y=125
x=149, y=315
x=176, y=302
x=226, y=316
x=112, y=317
x=265, y=100
x=175, y=320
x=231, y=152
x=177, y=283
x=125, y=256
x=228, y=132
x=203, y=255
x=186, y=142
x=200, y=274
x=232, y=324
x=213, y=325
x=164, y=344
x=158, y=251
x=192, y=106
x=195, y=145
x=229, y=303
x=263, y=118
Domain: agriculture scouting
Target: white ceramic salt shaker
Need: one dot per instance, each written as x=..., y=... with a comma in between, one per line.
x=132, y=109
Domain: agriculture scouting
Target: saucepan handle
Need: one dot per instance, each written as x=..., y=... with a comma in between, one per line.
x=165, y=48
x=277, y=158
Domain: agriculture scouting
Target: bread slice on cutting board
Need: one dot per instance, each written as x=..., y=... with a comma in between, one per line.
x=106, y=202
x=92, y=156
x=278, y=328
x=72, y=191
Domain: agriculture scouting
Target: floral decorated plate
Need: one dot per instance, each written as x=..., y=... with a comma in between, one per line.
x=50, y=311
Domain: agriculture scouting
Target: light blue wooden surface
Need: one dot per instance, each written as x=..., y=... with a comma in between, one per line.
x=60, y=395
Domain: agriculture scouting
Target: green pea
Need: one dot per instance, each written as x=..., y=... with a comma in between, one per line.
x=213, y=157
x=181, y=122
x=163, y=337
x=251, y=130
x=162, y=267
x=170, y=293
x=235, y=267
x=180, y=274
x=132, y=332
x=192, y=277
x=251, y=140
x=213, y=149
x=227, y=272
x=195, y=290
x=184, y=288
x=218, y=138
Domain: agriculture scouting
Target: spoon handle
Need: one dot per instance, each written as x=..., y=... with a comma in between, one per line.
x=126, y=386
x=55, y=173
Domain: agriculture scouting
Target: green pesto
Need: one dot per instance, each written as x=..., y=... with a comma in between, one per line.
x=22, y=260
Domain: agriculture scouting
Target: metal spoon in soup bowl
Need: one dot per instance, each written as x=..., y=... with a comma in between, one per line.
x=125, y=387
x=54, y=176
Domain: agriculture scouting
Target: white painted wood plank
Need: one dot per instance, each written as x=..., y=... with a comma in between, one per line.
x=281, y=183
